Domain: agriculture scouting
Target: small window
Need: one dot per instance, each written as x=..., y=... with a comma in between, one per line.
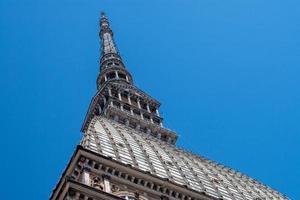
x=114, y=93
x=134, y=101
x=122, y=76
x=144, y=105
x=144, y=129
x=169, y=163
x=81, y=196
x=215, y=180
x=120, y=145
x=173, y=194
x=96, y=166
x=127, y=108
x=146, y=116
x=164, y=138
x=109, y=64
x=132, y=125
x=136, y=112
x=156, y=120
x=117, y=104
x=111, y=75
x=124, y=96
x=152, y=109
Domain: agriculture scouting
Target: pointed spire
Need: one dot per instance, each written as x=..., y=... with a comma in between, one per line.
x=106, y=35
x=112, y=67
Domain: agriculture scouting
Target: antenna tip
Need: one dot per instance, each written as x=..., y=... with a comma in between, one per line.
x=102, y=14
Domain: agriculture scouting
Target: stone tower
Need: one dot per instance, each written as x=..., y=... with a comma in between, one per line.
x=126, y=153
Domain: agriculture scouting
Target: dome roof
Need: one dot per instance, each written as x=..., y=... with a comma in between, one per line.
x=148, y=154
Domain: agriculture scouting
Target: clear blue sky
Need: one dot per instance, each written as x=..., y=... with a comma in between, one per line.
x=226, y=73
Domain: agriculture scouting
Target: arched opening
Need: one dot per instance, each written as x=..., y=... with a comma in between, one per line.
x=111, y=75
x=122, y=76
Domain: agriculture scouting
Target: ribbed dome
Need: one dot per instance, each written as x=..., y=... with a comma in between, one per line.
x=146, y=153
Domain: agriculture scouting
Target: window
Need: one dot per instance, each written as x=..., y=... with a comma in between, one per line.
x=111, y=75
x=120, y=145
x=114, y=93
x=143, y=105
x=169, y=163
x=152, y=109
x=109, y=64
x=156, y=120
x=144, y=129
x=146, y=116
x=132, y=125
x=124, y=97
x=134, y=101
x=164, y=138
x=127, y=108
x=117, y=104
x=122, y=76
x=137, y=112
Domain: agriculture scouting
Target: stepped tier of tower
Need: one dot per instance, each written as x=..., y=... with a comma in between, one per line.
x=119, y=99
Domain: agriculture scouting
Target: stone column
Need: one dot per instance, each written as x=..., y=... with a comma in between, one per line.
x=157, y=112
x=138, y=103
x=158, y=135
x=99, y=109
x=109, y=91
x=117, y=75
x=129, y=100
x=106, y=183
x=138, y=127
x=86, y=176
x=119, y=95
x=148, y=108
x=77, y=196
x=151, y=120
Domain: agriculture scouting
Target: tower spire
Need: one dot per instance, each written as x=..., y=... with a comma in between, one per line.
x=111, y=64
x=118, y=98
x=106, y=35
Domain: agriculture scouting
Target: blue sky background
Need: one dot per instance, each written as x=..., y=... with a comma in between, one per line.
x=226, y=73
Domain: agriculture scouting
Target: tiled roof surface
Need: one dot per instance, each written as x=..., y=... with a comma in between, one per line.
x=148, y=154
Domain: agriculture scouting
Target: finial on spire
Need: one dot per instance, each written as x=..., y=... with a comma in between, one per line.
x=102, y=14
x=103, y=20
